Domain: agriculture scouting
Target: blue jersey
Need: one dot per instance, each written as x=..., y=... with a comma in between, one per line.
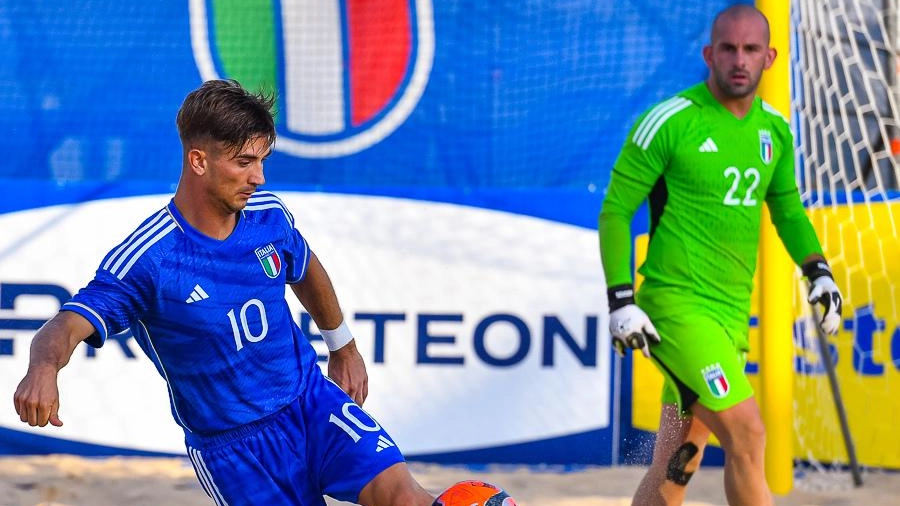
x=210, y=314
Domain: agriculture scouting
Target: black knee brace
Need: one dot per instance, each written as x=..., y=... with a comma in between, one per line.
x=679, y=461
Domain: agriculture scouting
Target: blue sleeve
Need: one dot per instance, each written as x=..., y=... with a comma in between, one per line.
x=111, y=304
x=296, y=256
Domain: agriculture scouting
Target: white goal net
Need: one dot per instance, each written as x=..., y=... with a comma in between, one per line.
x=845, y=113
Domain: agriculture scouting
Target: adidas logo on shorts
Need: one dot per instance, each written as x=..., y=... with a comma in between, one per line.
x=383, y=443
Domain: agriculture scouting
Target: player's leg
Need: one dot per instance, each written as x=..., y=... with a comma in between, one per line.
x=703, y=355
x=676, y=457
x=395, y=485
x=353, y=457
x=741, y=432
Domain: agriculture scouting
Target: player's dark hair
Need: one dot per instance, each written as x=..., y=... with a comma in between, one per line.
x=223, y=111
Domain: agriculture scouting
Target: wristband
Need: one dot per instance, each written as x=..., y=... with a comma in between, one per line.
x=337, y=338
x=619, y=296
x=816, y=269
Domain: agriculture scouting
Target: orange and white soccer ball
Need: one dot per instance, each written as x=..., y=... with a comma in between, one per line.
x=474, y=493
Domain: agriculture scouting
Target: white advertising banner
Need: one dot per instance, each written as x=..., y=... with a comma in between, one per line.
x=480, y=328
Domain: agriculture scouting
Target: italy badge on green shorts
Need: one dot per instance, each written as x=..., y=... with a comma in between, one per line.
x=716, y=380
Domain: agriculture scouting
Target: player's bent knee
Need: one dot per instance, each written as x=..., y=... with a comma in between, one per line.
x=747, y=438
x=676, y=472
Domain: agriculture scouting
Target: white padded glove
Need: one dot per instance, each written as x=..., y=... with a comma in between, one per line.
x=629, y=325
x=824, y=291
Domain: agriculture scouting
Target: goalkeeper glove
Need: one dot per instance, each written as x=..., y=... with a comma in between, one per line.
x=823, y=290
x=629, y=325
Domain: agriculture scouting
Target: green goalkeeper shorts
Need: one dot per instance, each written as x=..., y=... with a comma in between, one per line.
x=702, y=360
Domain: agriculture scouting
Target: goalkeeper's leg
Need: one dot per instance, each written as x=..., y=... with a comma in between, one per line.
x=742, y=434
x=676, y=457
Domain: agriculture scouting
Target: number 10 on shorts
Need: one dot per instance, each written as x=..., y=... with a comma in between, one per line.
x=351, y=418
x=347, y=419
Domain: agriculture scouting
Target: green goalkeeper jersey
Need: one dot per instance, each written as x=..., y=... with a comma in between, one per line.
x=706, y=174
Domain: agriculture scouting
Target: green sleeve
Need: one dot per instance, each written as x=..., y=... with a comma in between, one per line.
x=636, y=171
x=788, y=215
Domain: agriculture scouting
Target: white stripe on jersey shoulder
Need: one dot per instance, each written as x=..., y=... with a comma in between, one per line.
x=267, y=200
x=125, y=256
x=153, y=221
x=655, y=119
x=769, y=108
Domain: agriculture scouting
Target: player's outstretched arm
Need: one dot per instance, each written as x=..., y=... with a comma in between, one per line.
x=345, y=364
x=37, y=396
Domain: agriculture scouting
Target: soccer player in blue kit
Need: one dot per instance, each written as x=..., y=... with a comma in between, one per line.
x=201, y=285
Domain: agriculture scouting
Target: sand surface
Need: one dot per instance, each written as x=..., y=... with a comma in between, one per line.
x=63, y=480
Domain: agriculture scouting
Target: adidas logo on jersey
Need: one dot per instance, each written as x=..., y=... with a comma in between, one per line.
x=196, y=294
x=383, y=443
x=709, y=146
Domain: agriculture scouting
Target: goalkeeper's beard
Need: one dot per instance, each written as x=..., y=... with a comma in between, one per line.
x=737, y=91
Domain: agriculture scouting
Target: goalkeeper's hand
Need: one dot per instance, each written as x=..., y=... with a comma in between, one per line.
x=629, y=325
x=823, y=290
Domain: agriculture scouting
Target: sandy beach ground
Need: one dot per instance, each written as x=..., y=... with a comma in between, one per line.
x=64, y=480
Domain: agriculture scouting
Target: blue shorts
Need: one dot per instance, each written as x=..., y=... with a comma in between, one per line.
x=322, y=443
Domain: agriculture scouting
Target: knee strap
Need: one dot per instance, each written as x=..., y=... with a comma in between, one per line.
x=679, y=461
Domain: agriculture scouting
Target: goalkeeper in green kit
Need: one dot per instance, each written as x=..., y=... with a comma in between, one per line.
x=706, y=160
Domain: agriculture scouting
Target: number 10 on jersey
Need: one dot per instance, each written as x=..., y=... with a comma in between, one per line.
x=244, y=331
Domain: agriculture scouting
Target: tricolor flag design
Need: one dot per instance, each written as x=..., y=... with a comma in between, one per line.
x=716, y=380
x=270, y=260
x=765, y=146
x=339, y=67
